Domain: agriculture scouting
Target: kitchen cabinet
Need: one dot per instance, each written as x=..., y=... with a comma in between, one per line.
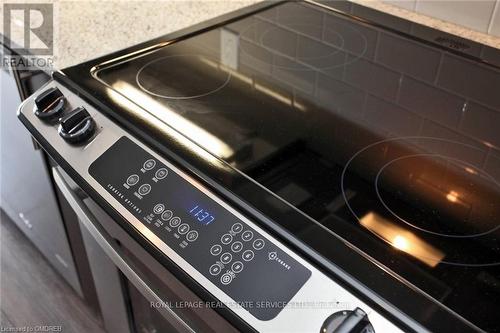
x=27, y=194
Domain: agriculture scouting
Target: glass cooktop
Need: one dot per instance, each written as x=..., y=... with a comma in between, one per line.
x=383, y=140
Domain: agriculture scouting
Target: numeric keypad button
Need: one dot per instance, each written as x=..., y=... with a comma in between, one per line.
x=237, y=266
x=248, y=255
x=258, y=244
x=215, y=250
x=247, y=235
x=237, y=228
x=215, y=269
x=226, y=239
x=236, y=247
x=226, y=258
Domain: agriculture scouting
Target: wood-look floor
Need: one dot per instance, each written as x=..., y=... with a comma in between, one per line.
x=32, y=293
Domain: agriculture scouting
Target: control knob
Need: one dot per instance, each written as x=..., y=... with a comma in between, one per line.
x=49, y=105
x=355, y=321
x=77, y=126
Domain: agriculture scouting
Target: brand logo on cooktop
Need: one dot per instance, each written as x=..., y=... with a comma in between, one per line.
x=273, y=256
x=452, y=43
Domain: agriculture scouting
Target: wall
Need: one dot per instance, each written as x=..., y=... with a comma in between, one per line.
x=435, y=94
x=479, y=15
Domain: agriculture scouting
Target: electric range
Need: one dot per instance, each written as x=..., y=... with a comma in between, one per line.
x=331, y=153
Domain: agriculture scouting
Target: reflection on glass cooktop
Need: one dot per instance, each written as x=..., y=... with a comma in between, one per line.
x=390, y=143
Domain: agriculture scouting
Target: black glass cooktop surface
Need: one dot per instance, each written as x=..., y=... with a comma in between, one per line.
x=391, y=143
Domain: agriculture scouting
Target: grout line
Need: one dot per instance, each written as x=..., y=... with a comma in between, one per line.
x=414, y=7
x=398, y=92
x=492, y=17
x=438, y=71
x=465, y=109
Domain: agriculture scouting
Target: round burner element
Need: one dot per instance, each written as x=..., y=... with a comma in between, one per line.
x=181, y=77
x=428, y=199
x=262, y=40
x=450, y=196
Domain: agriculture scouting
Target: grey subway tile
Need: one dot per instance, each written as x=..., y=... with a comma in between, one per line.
x=494, y=28
x=474, y=14
x=482, y=123
x=255, y=57
x=431, y=102
x=302, y=18
x=391, y=118
x=471, y=80
x=339, y=97
x=275, y=38
x=269, y=14
x=443, y=141
x=323, y=57
x=294, y=74
x=407, y=56
x=372, y=77
x=358, y=39
x=245, y=28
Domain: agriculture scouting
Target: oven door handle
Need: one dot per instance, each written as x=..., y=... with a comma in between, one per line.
x=114, y=252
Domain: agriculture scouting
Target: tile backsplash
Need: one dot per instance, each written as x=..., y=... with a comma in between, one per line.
x=397, y=87
x=479, y=15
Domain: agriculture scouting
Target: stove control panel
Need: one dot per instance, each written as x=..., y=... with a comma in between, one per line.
x=205, y=232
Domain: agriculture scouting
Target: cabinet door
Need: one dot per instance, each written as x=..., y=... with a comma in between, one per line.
x=26, y=191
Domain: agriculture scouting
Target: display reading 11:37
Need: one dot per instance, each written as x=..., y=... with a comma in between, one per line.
x=202, y=215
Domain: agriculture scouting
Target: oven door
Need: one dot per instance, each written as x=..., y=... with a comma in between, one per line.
x=135, y=292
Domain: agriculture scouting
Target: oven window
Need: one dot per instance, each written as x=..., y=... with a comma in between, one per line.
x=145, y=319
x=145, y=316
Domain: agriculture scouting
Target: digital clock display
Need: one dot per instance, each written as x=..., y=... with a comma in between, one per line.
x=201, y=215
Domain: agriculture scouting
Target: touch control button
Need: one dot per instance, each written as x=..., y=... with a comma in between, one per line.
x=215, y=250
x=159, y=208
x=174, y=222
x=237, y=266
x=192, y=236
x=248, y=255
x=226, y=278
x=237, y=246
x=149, y=164
x=226, y=258
x=132, y=180
x=226, y=239
x=215, y=269
x=237, y=228
x=167, y=215
x=144, y=189
x=258, y=244
x=247, y=235
x=183, y=229
x=161, y=173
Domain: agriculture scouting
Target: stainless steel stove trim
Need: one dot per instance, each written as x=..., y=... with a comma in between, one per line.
x=90, y=222
x=319, y=290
